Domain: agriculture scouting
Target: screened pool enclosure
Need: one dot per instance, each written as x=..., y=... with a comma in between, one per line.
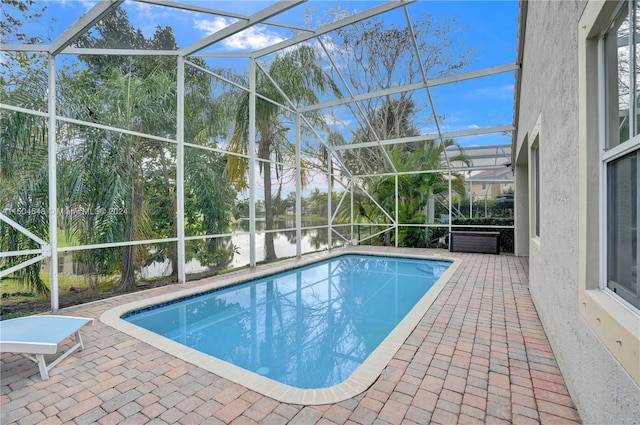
x=156, y=139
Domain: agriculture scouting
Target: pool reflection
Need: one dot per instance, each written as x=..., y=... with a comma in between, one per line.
x=308, y=328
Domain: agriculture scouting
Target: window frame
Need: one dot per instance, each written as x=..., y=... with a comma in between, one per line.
x=535, y=186
x=535, y=171
x=613, y=321
x=608, y=158
x=609, y=155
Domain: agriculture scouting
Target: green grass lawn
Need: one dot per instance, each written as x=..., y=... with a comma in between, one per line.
x=17, y=300
x=62, y=239
x=65, y=283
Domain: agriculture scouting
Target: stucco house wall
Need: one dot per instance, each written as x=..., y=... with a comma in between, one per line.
x=547, y=113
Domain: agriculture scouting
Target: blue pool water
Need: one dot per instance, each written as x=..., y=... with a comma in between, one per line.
x=309, y=327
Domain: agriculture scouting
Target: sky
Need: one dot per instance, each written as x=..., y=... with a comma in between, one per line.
x=489, y=28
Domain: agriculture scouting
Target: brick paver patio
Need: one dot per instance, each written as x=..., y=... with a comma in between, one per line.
x=479, y=355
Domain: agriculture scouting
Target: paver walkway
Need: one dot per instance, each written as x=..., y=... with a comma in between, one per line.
x=479, y=355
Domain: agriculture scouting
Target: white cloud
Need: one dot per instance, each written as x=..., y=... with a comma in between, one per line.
x=147, y=17
x=148, y=13
x=501, y=92
x=473, y=127
x=332, y=119
x=85, y=4
x=252, y=38
x=209, y=26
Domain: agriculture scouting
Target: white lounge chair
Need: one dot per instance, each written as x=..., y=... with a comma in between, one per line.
x=39, y=335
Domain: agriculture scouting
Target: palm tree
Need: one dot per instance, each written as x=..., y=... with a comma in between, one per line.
x=23, y=162
x=299, y=75
x=415, y=191
x=109, y=168
x=24, y=191
x=137, y=175
x=104, y=177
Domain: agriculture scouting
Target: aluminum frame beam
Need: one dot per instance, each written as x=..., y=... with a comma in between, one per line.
x=25, y=47
x=86, y=21
x=252, y=163
x=415, y=86
x=377, y=10
x=62, y=45
x=180, y=155
x=298, y=183
x=424, y=137
x=22, y=230
x=361, y=111
x=239, y=26
x=117, y=52
x=7, y=272
x=53, y=185
x=423, y=72
x=192, y=8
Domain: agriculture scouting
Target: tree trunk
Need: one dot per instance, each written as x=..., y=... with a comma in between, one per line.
x=127, y=280
x=128, y=277
x=386, y=239
x=172, y=252
x=270, y=250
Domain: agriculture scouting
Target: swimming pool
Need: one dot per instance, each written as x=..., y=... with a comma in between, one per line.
x=314, y=334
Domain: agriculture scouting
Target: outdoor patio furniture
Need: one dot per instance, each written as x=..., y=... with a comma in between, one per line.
x=39, y=335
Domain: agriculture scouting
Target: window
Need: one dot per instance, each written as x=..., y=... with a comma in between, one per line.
x=609, y=151
x=622, y=227
x=620, y=148
x=535, y=159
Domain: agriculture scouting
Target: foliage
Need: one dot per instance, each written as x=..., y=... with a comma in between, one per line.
x=18, y=294
x=381, y=55
x=485, y=210
x=23, y=142
x=113, y=186
x=421, y=191
x=23, y=190
x=116, y=32
x=14, y=15
x=17, y=65
x=144, y=88
x=394, y=119
x=299, y=78
x=416, y=193
x=110, y=169
x=378, y=55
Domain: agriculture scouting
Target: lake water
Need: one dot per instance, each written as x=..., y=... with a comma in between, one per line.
x=284, y=241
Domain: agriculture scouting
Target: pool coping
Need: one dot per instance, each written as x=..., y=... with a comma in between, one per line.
x=359, y=381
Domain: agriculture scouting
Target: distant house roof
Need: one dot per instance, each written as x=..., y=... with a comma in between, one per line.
x=494, y=175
